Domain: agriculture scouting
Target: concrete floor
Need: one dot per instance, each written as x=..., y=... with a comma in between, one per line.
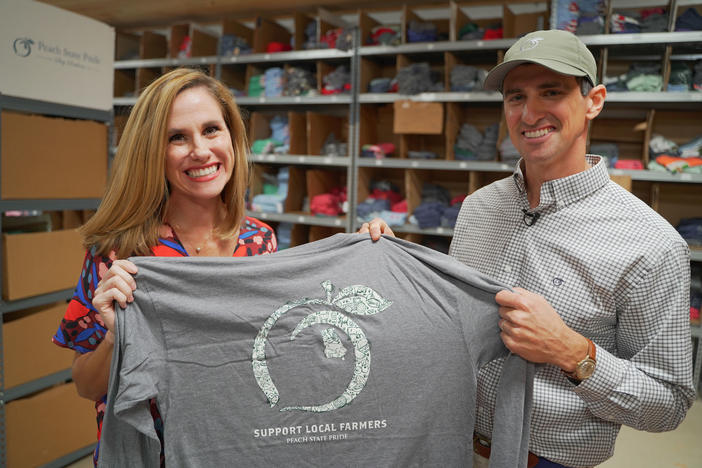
x=681, y=448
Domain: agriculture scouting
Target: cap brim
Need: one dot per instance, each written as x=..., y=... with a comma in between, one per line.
x=494, y=80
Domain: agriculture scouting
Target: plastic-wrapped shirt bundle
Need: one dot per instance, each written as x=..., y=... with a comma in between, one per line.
x=428, y=214
x=230, y=44
x=467, y=78
x=680, y=77
x=421, y=32
x=470, y=32
x=624, y=24
x=471, y=144
x=283, y=235
x=380, y=85
x=418, y=78
x=329, y=204
x=378, y=151
x=654, y=20
x=691, y=230
x=338, y=81
x=590, y=24
x=661, y=145
x=609, y=151
x=344, y=40
x=256, y=86
x=567, y=12
x=265, y=146
x=697, y=76
x=676, y=164
x=273, y=82
x=448, y=217
x=692, y=148
x=273, y=202
x=311, y=36
x=508, y=152
x=644, y=77
x=690, y=20
x=422, y=155
x=299, y=81
x=279, y=129
x=435, y=199
x=385, y=35
x=334, y=147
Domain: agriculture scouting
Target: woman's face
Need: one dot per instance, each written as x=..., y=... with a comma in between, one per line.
x=199, y=152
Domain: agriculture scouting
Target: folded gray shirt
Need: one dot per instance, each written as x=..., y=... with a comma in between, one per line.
x=340, y=352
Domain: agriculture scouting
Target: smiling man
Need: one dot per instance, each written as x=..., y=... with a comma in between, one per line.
x=601, y=281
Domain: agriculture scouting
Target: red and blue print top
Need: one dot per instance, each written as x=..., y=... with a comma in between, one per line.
x=82, y=328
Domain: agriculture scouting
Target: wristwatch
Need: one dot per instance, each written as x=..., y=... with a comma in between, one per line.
x=586, y=367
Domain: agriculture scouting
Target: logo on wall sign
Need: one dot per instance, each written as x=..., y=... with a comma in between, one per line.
x=531, y=44
x=23, y=46
x=355, y=300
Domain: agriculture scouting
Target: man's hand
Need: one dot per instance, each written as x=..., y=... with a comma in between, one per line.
x=533, y=329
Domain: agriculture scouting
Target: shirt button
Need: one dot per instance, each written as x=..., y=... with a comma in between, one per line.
x=507, y=269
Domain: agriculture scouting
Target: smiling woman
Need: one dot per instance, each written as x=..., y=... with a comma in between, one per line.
x=176, y=189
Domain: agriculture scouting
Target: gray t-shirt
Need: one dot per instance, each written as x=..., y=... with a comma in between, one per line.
x=340, y=352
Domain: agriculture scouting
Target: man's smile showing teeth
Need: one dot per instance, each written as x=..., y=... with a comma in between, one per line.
x=538, y=133
x=203, y=171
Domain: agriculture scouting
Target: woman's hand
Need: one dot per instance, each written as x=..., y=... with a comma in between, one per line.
x=376, y=228
x=116, y=285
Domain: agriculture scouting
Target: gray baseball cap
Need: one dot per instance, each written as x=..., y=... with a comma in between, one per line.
x=560, y=51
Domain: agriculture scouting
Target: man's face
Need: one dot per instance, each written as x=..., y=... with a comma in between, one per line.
x=546, y=115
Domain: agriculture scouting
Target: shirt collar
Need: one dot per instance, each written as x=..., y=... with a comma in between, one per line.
x=564, y=191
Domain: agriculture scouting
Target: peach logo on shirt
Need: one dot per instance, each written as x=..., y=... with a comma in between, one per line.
x=356, y=300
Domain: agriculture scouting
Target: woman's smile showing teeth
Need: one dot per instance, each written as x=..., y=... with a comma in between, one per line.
x=203, y=171
x=538, y=133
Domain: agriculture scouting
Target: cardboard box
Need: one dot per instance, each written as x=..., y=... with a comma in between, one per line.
x=21, y=365
x=48, y=425
x=424, y=118
x=46, y=157
x=40, y=263
x=53, y=55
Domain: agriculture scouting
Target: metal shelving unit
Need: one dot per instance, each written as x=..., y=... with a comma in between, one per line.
x=9, y=394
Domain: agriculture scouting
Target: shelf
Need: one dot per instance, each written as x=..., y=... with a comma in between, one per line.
x=482, y=166
x=71, y=457
x=413, y=229
x=294, y=55
x=266, y=101
x=481, y=96
x=504, y=44
x=291, y=100
x=50, y=204
x=43, y=299
x=300, y=159
x=696, y=254
x=659, y=176
x=165, y=62
x=49, y=108
x=439, y=46
x=299, y=218
x=28, y=388
x=664, y=38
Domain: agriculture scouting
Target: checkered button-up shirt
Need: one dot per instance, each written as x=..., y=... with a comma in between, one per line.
x=617, y=273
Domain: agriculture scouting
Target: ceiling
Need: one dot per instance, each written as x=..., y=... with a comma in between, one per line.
x=136, y=13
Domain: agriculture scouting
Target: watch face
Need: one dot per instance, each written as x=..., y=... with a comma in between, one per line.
x=585, y=369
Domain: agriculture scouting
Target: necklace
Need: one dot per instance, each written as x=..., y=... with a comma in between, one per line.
x=197, y=248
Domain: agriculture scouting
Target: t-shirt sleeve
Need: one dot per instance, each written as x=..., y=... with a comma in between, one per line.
x=81, y=328
x=128, y=434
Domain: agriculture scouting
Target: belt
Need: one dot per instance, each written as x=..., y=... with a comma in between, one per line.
x=482, y=447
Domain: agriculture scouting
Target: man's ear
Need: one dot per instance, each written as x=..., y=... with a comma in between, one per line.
x=595, y=101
